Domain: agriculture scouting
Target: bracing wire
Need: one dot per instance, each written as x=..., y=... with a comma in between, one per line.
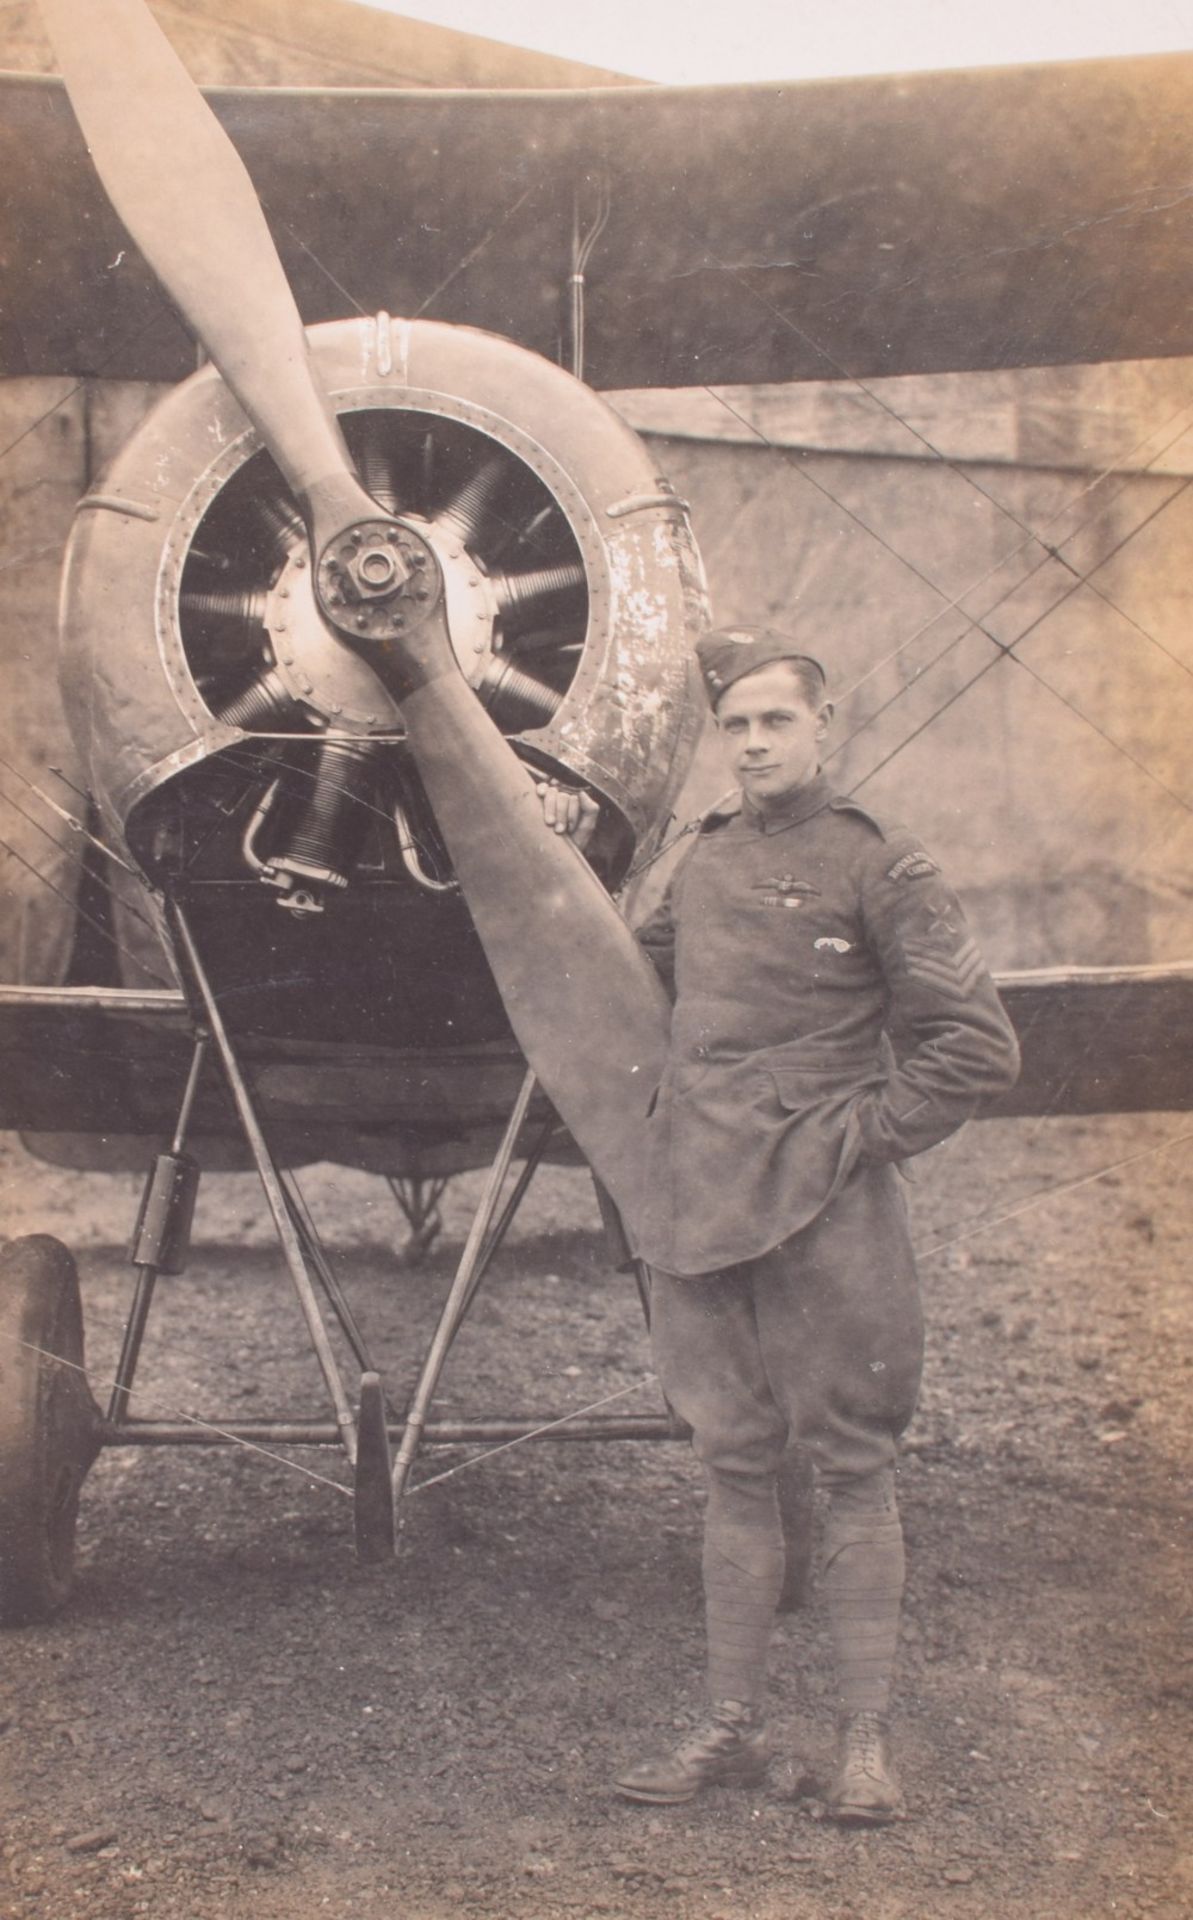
x=473, y=253
x=877, y=398
x=68, y=819
x=548, y=1426
x=1009, y=649
x=986, y=1221
x=323, y=267
x=95, y=925
x=188, y=1419
x=1054, y=553
x=78, y=865
x=128, y=340
x=982, y=1223
x=77, y=861
x=972, y=622
x=955, y=604
x=967, y=477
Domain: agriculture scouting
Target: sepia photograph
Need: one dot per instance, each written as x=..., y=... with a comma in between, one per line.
x=596, y=961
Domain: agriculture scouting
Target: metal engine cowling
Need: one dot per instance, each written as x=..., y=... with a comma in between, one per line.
x=573, y=586
x=248, y=758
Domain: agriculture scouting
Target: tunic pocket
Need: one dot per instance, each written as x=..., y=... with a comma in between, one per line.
x=799, y=1088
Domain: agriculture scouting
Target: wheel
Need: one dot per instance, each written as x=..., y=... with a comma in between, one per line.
x=49, y=1427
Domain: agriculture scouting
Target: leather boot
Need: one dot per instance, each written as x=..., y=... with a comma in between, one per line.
x=865, y=1791
x=732, y=1748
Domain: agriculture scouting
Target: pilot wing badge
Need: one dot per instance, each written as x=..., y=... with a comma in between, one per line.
x=785, y=891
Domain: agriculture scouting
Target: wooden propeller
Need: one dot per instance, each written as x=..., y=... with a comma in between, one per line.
x=583, y=1001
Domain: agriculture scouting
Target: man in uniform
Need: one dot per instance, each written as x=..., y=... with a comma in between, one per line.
x=832, y=1018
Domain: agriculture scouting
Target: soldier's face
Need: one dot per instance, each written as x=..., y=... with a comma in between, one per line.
x=771, y=734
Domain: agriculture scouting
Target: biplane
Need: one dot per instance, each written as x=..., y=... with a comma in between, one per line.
x=363, y=581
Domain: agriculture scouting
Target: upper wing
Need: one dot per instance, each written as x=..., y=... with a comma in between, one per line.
x=931, y=222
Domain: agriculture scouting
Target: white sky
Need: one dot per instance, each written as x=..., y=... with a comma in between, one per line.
x=691, y=42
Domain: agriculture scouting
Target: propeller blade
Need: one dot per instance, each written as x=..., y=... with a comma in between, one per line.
x=185, y=197
x=582, y=998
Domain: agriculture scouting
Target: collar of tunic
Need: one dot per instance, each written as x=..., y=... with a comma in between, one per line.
x=803, y=804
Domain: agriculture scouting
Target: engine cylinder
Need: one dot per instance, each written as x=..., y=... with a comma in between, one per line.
x=571, y=579
x=333, y=813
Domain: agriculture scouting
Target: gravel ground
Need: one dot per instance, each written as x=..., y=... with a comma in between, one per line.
x=233, y=1719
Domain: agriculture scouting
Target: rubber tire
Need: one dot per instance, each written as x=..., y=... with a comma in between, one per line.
x=49, y=1427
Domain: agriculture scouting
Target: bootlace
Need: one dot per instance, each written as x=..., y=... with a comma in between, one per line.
x=865, y=1738
x=731, y=1722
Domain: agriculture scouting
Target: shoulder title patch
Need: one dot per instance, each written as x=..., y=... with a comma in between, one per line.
x=912, y=866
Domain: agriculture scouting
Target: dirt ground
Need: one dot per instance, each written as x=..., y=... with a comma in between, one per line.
x=233, y=1719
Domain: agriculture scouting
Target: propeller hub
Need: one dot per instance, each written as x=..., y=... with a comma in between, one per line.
x=371, y=578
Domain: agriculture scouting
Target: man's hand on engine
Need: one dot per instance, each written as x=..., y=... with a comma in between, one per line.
x=570, y=811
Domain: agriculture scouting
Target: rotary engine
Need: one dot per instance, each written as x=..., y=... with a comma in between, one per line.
x=223, y=718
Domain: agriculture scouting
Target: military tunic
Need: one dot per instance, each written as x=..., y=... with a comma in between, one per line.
x=831, y=1009
x=832, y=1016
